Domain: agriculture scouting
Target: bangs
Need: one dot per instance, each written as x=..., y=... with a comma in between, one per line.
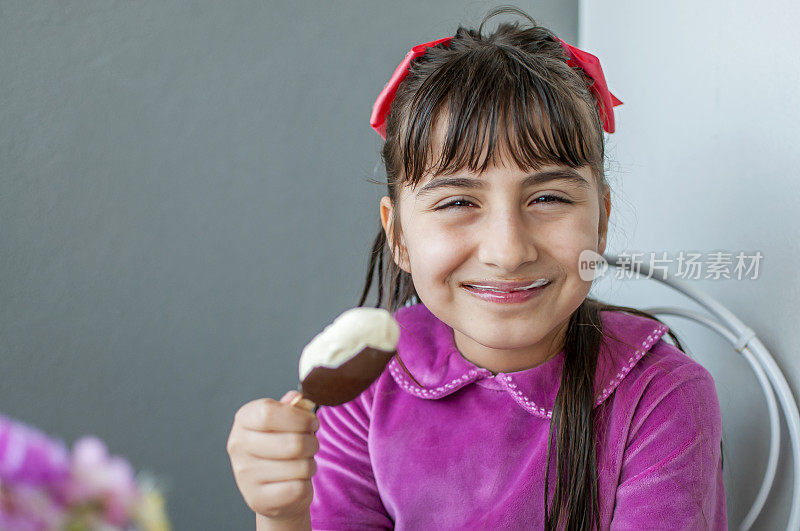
x=492, y=105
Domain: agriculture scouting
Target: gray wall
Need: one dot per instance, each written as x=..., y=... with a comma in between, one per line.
x=183, y=206
x=705, y=159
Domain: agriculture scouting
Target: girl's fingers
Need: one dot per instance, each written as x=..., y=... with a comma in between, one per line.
x=303, y=403
x=280, y=445
x=296, y=398
x=267, y=414
x=260, y=471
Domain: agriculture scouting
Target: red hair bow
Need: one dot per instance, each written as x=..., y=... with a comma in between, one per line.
x=577, y=57
x=591, y=66
x=381, y=106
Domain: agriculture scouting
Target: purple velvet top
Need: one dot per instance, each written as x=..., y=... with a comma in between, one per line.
x=468, y=449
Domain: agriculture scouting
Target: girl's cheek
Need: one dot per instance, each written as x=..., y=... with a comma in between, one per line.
x=437, y=235
x=446, y=246
x=565, y=244
x=441, y=249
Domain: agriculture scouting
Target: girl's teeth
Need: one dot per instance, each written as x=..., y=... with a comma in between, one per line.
x=536, y=284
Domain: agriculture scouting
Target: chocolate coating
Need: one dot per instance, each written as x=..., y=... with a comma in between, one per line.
x=328, y=386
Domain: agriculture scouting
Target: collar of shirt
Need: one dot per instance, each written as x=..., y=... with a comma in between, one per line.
x=428, y=350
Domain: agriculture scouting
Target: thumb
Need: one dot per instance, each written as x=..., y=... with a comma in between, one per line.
x=305, y=403
x=289, y=396
x=295, y=398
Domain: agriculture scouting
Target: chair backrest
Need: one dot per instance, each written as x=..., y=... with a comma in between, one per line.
x=744, y=341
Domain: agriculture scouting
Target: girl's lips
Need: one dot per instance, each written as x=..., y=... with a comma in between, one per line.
x=507, y=285
x=511, y=297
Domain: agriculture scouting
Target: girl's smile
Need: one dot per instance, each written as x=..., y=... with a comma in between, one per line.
x=507, y=297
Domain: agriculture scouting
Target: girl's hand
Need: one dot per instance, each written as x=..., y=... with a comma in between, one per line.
x=272, y=447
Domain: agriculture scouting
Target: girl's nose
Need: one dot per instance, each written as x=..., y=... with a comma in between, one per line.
x=506, y=241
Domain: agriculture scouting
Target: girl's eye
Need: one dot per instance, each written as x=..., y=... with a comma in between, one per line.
x=453, y=204
x=548, y=198
x=552, y=198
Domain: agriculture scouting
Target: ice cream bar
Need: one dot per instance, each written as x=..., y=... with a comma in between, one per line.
x=347, y=356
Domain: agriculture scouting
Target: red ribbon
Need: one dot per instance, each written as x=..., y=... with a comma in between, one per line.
x=577, y=57
x=591, y=66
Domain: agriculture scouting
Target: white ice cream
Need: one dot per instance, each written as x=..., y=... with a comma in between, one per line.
x=348, y=335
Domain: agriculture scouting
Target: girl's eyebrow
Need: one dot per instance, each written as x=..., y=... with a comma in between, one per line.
x=561, y=174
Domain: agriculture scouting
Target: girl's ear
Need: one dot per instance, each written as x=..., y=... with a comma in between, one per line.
x=602, y=231
x=387, y=213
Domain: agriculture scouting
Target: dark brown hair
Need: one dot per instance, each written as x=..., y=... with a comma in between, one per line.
x=512, y=93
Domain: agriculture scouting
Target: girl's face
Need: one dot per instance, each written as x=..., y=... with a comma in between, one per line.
x=501, y=225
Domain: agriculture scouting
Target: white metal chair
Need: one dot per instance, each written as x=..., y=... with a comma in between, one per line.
x=744, y=340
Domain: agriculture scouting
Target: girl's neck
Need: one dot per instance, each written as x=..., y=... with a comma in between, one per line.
x=504, y=360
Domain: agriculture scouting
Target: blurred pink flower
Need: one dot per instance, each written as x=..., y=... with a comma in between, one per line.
x=98, y=476
x=28, y=456
x=44, y=487
x=30, y=508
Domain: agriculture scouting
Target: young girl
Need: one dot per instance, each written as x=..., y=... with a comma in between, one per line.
x=515, y=400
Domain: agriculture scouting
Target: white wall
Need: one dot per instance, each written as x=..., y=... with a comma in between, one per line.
x=704, y=158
